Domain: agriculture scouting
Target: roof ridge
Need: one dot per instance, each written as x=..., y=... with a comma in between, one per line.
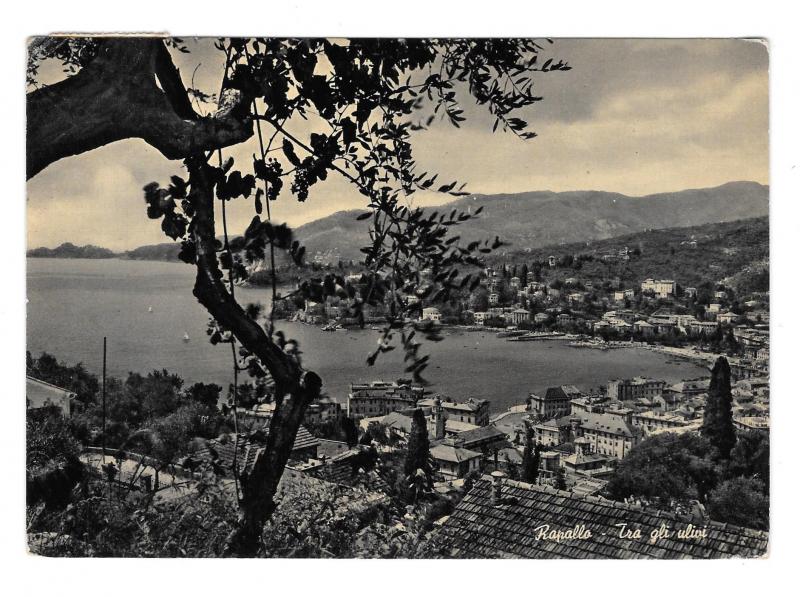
x=47, y=383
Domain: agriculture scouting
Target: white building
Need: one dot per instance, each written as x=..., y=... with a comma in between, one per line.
x=40, y=394
x=661, y=288
x=431, y=314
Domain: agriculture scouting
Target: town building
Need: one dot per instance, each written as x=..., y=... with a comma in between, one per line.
x=454, y=462
x=479, y=317
x=635, y=389
x=553, y=432
x=646, y=329
x=703, y=328
x=431, y=314
x=397, y=425
x=555, y=402
x=565, y=319
x=651, y=421
x=760, y=424
x=486, y=439
x=379, y=398
x=663, y=326
x=323, y=410
x=609, y=435
x=582, y=462
x=660, y=288
x=576, y=297
x=625, y=315
x=472, y=411
x=519, y=316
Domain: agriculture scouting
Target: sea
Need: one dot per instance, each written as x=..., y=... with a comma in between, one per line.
x=146, y=311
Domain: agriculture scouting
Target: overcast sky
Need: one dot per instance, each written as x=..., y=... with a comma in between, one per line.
x=632, y=116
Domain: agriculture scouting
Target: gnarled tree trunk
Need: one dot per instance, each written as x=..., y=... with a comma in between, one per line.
x=131, y=89
x=295, y=388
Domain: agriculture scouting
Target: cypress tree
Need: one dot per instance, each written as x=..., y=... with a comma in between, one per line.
x=530, y=457
x=418, y=446
x=560, y=481
x=718, y=418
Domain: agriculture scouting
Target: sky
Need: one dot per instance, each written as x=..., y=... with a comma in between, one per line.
x=632, y=116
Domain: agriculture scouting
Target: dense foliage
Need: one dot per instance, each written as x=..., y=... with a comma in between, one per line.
x=673, y=471
x=737, y=252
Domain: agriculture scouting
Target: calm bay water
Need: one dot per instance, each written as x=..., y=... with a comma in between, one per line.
x=73, y=303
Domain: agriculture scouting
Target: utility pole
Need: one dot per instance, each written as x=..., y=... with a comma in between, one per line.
x=104, y=400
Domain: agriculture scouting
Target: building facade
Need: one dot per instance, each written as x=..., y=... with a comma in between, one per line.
x=379, y=398
x=638, y=388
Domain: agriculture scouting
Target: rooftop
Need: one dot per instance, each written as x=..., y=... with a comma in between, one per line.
x=471, y=405
x=561, y=393
x=478, y=528
x=223, y=450
x=40, y=393
x=449, y=453
x=606, y=423
x=479, y=434
x=397, y=421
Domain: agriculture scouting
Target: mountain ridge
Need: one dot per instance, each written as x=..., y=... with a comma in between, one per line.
x=526, y=220
x=541, y=218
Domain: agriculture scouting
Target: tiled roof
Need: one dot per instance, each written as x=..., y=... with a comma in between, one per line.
x=513, y=455
x=561, y=392
x=606, y=423
x=470, y=405
x=559, y=422
x=223, y=451
x=304, y=439
x=480, y=434
x=453, y=426
x=479, y=529
x=397, y=421
x=448, y=453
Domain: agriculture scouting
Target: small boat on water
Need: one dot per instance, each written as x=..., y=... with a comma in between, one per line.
x=537, y=336
x=511, y=332
x=185, y=337
x=149, y=309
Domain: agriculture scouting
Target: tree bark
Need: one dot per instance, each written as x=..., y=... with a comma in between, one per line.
x=295, y=388
x=131, y=89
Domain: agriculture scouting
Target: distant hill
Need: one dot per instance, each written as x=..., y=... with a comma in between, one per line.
x=541, y=218
x=525, y=221
x=70, y=251
x=159, y=252
x=736, y=253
